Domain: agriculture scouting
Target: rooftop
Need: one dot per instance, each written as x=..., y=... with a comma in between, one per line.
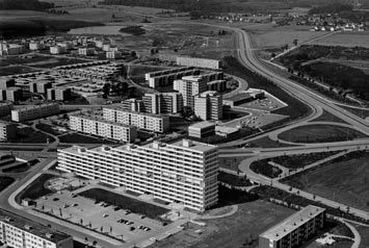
x=239, y=97
x=32, y=227
x=203, y=124
x=293, y=222
x=99, y=119
x=28, y=107
x=120, y=107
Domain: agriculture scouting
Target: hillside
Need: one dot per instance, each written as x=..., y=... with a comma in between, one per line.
x=25, y=5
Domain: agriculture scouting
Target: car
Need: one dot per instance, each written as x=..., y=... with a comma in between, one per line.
x=56, y=199
x=105, y=215
x=75, y=204
x=143, y=217
x=117, y=208
x=132, y=228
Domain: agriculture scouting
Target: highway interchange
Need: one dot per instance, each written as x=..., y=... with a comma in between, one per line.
x=247, y=56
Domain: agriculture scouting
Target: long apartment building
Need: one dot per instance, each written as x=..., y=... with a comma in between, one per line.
x=295, y=230
x=7, y=130
x=146, y=121
x=184, y=172
x=34, y=112
x=100, y=127
x=198, y=62
x=163, y=103
x=166, y=77
x=5, y=108
x=18, y=232
x=209, y=106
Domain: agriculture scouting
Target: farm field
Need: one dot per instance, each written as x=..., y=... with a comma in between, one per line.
x=238, y=230
x=343, y=180
x=349, y=39
x=320, y=133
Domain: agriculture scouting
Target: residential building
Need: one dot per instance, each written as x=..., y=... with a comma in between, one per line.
x=146, y=121
x=12, y=94
x=40, y=86
x=36, y=45
x=34, y=112
x=217, y=85
x=201, y=130
x=6, y=83
x=59, y=94
x=57, y=50
x=10, y=49
x=86, y=51
x=295, y=230
x=242, y=98
x=18, y=232
x=166, y=77
x=113, y=55
x=163, y=103
x=5, y=108
x=133, y=105
x=189, y=88
x=209, y=106
x=184, y=172
x=7, y=130
x=199, y=62
x=100, y=127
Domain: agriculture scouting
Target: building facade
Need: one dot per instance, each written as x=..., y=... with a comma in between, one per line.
x=201, y=130
x=7, y=131
x=59, y=94
x=34, y=112
x=199, y=62
x=167, y=77
x=5, y=108
x=295, y=230
x=103, y=128
x=209, y=106
x=184, y=172
x=163, y=103
x=150, y=122
x=18, y=232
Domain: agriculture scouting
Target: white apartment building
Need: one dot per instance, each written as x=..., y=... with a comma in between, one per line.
x=113, y=55
x=166, y=77
x=190, y=87
x=86, y=51
x=59, y=94
x=36, y=45
x=150, y=122
x=34, y=112
x=57, y=50
x=18, y=232
x=184, y=172
x=10, y=49
x=163, y=103
x=7, y=130
x=209, y=106
x=103, y=128
x=199, y=62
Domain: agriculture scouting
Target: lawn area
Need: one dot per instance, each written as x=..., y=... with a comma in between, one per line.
x=80, y=138
x=348, y=39
x=233, y=180
x=239, y=230
x=266, y=142
x=316, y=133
x=344, y=180
x=231, y=163
x=11, y=70
x=364, y=233
x=264, y=168
x=28, y=135
x=301, y=160
x=36, y=189
x=47, y=128
x=326, y=116
x=136, y=206
x=5, y=182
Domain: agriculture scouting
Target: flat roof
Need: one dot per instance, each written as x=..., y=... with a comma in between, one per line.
x=292, y=223
x=202, y=124
x=32, y=227
x=238, y=97
x=120, y=107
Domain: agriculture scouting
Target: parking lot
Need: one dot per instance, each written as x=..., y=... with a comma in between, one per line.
x=101, y=217
x=256, y=119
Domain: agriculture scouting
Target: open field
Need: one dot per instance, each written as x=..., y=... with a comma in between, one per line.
x=320, y=133
x=231, y=163
x=350, y=39
x=239, y=230
x=344, y=180
x=266, y=142
x=326, y=116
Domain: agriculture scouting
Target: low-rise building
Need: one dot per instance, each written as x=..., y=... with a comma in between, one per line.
x=201, y=130
x=184, y=172
x=146, y=121
x=34, y=112
x=133, y=105
x=19, y=232
x=100, y=127
x=7, y=130
x=295, y=230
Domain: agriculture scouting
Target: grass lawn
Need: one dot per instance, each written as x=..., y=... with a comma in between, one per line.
x=264, y=168
x=28, y=135
x=344, y=180
x=320, y=133
x=233, y=180
x=80, y=138
x=11, y=70
x=136, y=206
x=231, y=163
x=326, y=116
x=266, y=142
x=36, y=189
x=17, y=168
x=364, y=233
x=5, y=182
x=239, y=230
x=47, y=128
x=301, y=160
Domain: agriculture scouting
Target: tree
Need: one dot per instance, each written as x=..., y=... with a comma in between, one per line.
x=295, y=42
x=106, y=90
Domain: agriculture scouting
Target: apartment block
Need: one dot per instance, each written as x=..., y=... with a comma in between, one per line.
x=184, y=172
x=40, y=86
x=59, y=94
x=163, y=103
x=189, y=88
x=198, y=62
x=86, y=51
x=167, y=77
x=34, y=112
x=12, y=94
x=100, y=127
x=7, y=131
x=217, y=85
x=5, y=108
x=133, y=105
x=146, y=121
x=209, y=105
x=19, y=232
x=295, y=230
